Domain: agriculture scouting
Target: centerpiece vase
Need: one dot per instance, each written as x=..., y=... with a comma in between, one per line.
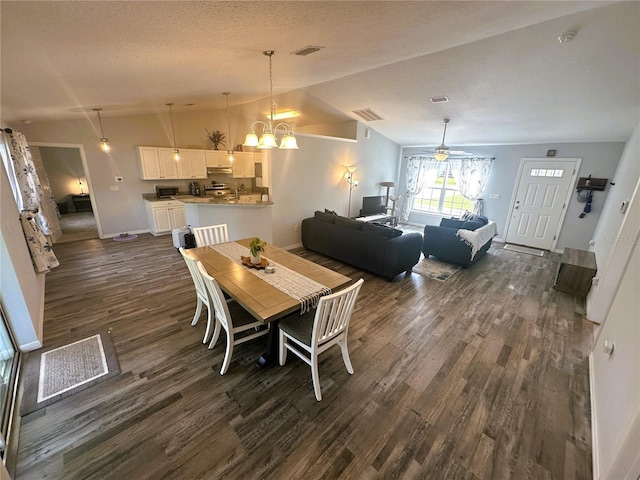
x=256, y=259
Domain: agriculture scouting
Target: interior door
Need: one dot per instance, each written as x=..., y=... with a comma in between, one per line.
x=540, y=200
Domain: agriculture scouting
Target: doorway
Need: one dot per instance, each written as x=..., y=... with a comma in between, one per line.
x=65, y=166
x=540, y=200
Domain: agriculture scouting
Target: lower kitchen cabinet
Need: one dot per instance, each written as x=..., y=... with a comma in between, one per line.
x=164, y=216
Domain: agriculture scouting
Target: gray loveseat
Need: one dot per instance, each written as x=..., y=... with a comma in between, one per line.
x=378, y=249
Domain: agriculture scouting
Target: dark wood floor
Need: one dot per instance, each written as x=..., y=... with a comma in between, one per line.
x=482, y=377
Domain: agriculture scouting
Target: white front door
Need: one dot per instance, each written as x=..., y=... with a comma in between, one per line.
x=542, y=194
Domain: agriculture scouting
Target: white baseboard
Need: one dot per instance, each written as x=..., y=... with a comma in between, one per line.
x=30, y=346
x=134, y=232
x=291, y=247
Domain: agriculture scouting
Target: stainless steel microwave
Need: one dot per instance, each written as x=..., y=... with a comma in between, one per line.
x=166, y=192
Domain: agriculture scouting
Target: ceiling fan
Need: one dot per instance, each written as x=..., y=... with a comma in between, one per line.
x=442, y=152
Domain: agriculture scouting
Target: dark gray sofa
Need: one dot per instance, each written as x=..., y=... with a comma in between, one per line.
x=378, y=249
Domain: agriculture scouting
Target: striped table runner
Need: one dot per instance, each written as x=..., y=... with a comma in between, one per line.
x=294, y=284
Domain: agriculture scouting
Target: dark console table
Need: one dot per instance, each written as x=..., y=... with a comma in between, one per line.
x=82, y=202
x=577, y=268
x=381, y=218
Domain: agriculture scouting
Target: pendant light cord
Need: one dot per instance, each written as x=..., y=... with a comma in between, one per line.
x=230, y=149
x=173, y=130
x=100, y=121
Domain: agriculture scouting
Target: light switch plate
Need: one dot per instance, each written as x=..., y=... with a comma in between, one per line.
x=494, y=196
x=114, y=188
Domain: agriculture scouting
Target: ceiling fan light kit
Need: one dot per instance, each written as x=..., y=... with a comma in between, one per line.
x=442, y=151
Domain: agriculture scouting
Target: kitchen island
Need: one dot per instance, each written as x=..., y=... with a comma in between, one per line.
x=244, y=218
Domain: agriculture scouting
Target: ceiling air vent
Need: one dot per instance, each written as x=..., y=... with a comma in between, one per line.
x=308, y=50
x=440, y=99
x=367, y=114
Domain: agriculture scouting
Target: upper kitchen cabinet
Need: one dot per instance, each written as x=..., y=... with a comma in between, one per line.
x=192, y=164
x=244, y=164
x=217, y=158
x=157, y=163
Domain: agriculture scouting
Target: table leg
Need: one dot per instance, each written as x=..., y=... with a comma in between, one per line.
x=271, y=355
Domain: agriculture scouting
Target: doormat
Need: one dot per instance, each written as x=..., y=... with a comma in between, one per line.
x=58, y=372
x=435, y=269
x=523, y=249
x=125, y=237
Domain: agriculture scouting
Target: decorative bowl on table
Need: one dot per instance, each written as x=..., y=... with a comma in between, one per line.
x=247, y=262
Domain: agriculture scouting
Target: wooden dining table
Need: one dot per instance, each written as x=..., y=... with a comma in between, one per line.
x=262, y=300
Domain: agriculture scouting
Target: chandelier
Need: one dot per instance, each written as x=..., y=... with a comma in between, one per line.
x=268, y=138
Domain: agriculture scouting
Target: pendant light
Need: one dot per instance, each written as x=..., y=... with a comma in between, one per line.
x=176, y=152
x=230, y=151
x=268, y=138
x=104, y=142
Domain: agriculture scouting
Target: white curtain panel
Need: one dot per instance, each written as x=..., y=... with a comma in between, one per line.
x=472, y=178
x=40, y=248
x=420, y=172
x=28, y=194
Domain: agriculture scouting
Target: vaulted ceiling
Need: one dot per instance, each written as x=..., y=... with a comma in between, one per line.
x=507, y=77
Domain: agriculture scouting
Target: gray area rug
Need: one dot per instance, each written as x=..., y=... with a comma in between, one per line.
x=435, y=269
x=56, y=372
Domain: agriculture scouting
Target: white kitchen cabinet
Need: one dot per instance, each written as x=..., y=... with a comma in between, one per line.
x=157, y=163
x=192, y=164
x=164, y=216
x=217, y=158
x=244, y=165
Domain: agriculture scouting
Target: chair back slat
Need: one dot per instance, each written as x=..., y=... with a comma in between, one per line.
x=334, y=313
x=211, y=235
x=191, y=262
x=221, y=308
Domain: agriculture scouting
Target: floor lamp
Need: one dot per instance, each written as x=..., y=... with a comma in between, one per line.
x=352, y=184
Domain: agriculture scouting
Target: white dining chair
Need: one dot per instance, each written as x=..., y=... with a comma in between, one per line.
x=201, y=293
x=211, y=235
x=235, y=320
x=316, y=331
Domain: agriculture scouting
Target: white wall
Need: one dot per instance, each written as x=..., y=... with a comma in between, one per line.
x=614, y=301
x=625, y=180
x=302, y=181
x=21, y=289
x=615, y=382
x=312, y=178
x=598, y=160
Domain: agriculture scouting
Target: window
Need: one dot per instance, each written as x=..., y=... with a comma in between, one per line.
x=441, y=193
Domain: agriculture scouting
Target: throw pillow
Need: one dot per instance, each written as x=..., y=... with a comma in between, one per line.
x=451, y=223
x=467, y=216
x=329, y=212
x=471, y=225
x=325, y=217
x=483, y=219
x=348, y=223
x=382, y=230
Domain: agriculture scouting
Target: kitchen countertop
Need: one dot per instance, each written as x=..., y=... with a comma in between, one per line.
x=218, y=201
x=205, y=200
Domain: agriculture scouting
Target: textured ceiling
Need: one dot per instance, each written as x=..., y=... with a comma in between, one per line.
x=500, y=63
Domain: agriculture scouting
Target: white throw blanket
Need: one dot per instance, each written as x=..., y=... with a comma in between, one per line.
x=476, y=239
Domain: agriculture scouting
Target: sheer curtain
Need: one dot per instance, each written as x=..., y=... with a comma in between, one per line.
x=472, y=178
x=28, y=193
x=421, y=170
